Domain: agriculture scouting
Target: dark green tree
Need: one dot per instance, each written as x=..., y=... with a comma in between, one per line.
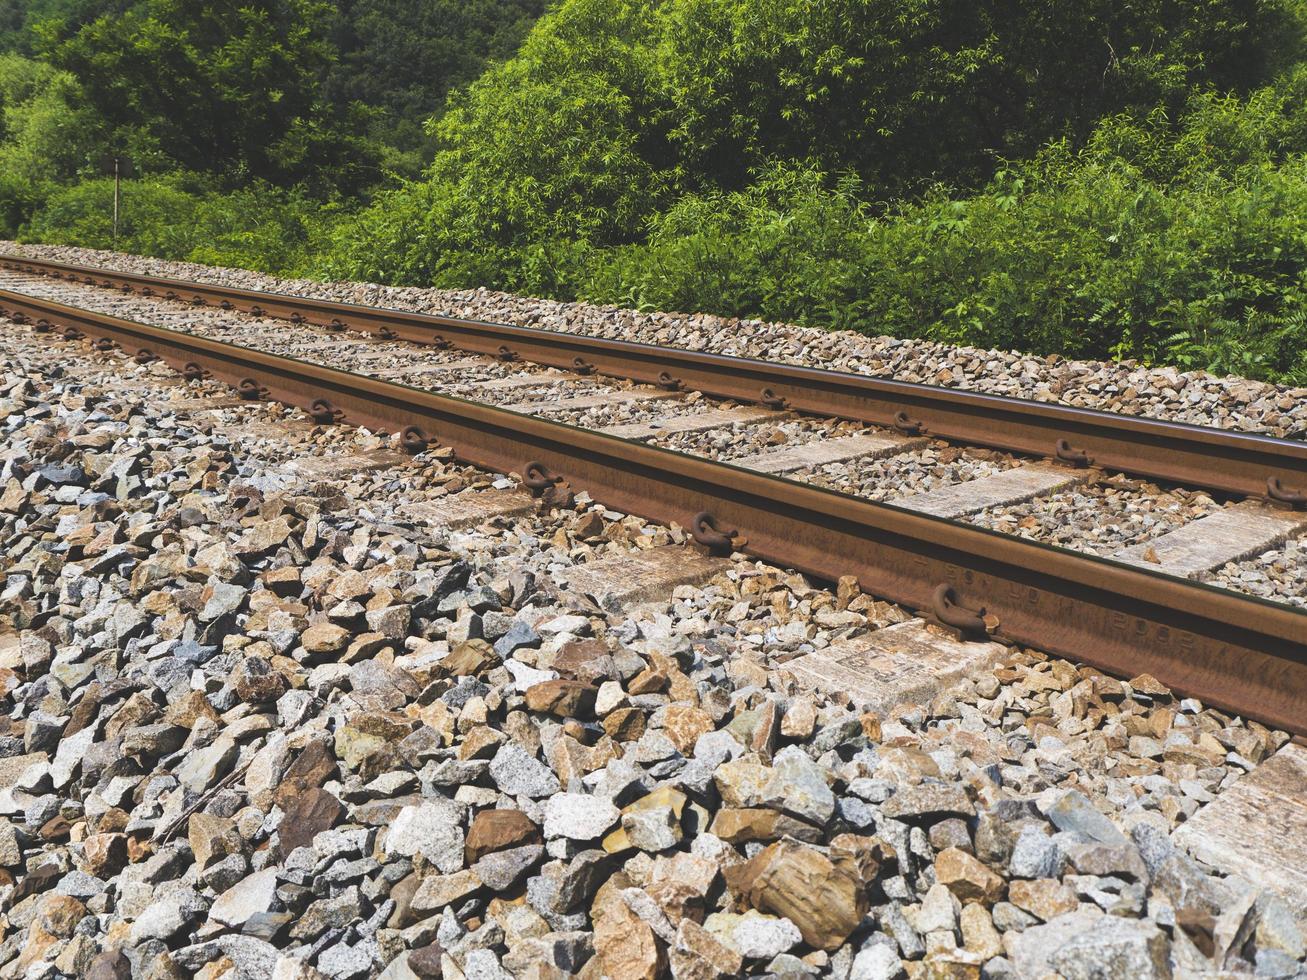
x=228, y=88
x=402, y=57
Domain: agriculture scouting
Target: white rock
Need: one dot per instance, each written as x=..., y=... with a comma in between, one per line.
x=578, y=816
x=245, y=899
x=432, y=828
x=525, y=677
x=876, y=962
x=764, y=936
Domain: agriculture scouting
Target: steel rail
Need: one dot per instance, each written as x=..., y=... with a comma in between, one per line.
x=1235, y=463
x=1237, y=652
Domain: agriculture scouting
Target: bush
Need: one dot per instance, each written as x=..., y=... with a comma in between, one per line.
x=1068, y=255
x=790, y=247
x=45, y=135
x=155, y=217
x=263, y=228
x=260, y=228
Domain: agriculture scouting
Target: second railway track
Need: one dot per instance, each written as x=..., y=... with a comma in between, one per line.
x=1195, y=456
x=1230, y=649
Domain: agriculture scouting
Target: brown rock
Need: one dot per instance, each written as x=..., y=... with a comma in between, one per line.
x=481, y=742
x=138, y=850
x=186, y=711
x=562, y=698
x=136, y=710
x=585, y=660
x=365, y=646
x=978, y=932
x=263, y=537
x=664, y=796
x=861, y=856
x=1149, y=685
x=324, y=638
x=741, y=782
x=800, y=719
x=588, y=525
x=35, y=944
x=104, y=855
x=871, y=725
x=112, y=821
x=308, y=813
x=56, y=829
x=112, y=964
x=311, y=768
x=738, y=825
x=283, y=581
x=212, y=838
x=59, y=914
x=763, y=739
x=1044, y=898
x=698, y=955
x=826, y=902
x=498, y=830
x=469, y=659
x=425, y=962
x=255, y=681
x=625, y=946
x=402, y=893
x=683, y=724
x=648, y=681
x=85, y=711
x=625, y=724
x=967, y=877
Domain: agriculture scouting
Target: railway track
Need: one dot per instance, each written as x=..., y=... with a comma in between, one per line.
x=1226, y=461
x=1123, y=615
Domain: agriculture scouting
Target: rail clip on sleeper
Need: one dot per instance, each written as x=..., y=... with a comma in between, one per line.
x=707, y=532
x=969, y=623
x=549, y=489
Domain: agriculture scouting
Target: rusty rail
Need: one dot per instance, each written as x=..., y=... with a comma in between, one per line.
x=1228, y=462
x=1234, y=651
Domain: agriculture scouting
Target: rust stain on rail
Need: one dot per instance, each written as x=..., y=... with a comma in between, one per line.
x=1237, y=652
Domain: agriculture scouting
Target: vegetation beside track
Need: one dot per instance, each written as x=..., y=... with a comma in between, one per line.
x=1090, y=178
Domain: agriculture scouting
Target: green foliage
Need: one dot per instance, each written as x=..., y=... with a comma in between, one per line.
x=911, y=91
x=258, y=227
x=537, y=163
x=1067, y=255
x=223, y=88
x=403, y=57
x=157, y=217
x=20, y=20
x=612, y=109
x=45, y=135
x=1090, y=178
x=789, y=247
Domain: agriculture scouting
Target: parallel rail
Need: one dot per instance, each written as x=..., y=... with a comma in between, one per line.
x=1234, y=651
x=1234, y=463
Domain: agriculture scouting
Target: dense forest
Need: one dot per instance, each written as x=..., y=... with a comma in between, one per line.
x=1091, y=178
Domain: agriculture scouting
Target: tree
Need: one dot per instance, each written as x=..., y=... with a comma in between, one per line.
x=403, y=57
x=612, y=109
x=228, y=88
x=47, y=134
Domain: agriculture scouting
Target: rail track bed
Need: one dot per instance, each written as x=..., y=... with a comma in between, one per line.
x=1066, y=499
x=292, y=694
